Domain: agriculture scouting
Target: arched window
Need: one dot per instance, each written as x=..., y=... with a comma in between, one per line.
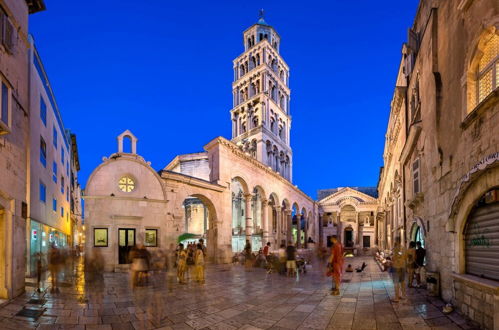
x=488, y=68
x=273, y=93
x=282, y=103
x=255, y=121
x=281, y=75
x=274, y=65
x=252, y=63
x=253, y=90
x=483, y=74
x=253, y=148
x=272, y=125
x=241, y=70
x=257, y=59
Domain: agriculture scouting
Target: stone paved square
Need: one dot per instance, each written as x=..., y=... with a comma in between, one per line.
x=233, y=298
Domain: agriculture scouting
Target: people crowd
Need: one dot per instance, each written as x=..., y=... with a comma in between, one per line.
x=186, y=263
x=405, y=267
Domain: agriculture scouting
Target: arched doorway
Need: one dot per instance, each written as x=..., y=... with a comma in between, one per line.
x=196, y=220
x=200, y=222
x=417, y=234
x=295, y=222
x=256, y=207
x=238, y=216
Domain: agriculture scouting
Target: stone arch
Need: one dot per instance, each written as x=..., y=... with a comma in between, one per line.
x=457, y=222
x=286, y=204
x=133, y=142
x=275, y=198
x=212, y=229
x=242, y=182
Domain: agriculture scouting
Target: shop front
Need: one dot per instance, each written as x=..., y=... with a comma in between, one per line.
x=40, y=240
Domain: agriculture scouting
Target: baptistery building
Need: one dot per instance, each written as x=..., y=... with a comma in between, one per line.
x=235, y=190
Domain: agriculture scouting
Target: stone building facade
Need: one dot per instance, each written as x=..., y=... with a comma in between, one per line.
x=51, y=168
x=232, y=192
x=14, y=142
x=350, y=214
x=441, y=153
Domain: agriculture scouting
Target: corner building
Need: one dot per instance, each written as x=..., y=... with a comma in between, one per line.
x=440, y=181
x=232, y=192
x=14, y=142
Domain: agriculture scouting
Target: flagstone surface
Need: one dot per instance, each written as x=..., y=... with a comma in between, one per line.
x=232, y=298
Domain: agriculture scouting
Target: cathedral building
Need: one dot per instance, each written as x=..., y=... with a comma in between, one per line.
x=234, y=191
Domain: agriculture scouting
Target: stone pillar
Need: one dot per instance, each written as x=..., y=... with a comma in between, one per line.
x=298, y=232
x=279, y=225
x=289, y=226
x=265, y=222
x=321, y=230
x=358, y=230
x=249, y=225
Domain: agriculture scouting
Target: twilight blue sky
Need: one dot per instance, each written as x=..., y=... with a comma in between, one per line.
x=163, y=69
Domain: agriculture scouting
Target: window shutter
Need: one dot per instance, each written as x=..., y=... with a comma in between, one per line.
x=481, y=240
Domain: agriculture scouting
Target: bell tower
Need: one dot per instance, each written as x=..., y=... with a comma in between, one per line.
x=261, y=121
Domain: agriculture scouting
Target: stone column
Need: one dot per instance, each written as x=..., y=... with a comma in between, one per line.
x=265, y=222
x=249, y=226
x=298, y=232
x=279, y=225
x=321, y=230
x=289, y=226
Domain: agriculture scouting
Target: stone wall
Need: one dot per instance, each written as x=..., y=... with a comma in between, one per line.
x=475, y=301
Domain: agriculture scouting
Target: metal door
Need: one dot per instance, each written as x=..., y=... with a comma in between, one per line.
x=481, y=237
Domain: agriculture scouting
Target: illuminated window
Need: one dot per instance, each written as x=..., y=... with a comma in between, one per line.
x=488, y=68
x=126, y=184
x=416, y=180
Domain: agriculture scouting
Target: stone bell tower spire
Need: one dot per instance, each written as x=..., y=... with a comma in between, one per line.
x=260, y=115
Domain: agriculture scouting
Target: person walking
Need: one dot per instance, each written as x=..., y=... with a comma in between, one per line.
x=411, y=263
x=291, y=259
x=336, y=264
x=266, y=250
x=248, y=256
x=420, y=259
x=181, y=263
x=398, y=270
x=199, y=263
x=55, y=261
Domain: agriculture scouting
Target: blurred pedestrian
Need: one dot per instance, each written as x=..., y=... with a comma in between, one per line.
x=290, y=259
x=248, y=256
x=39, y=271
x=411, y=263
x=181, y=263
x=398, y=270
x=336, y=264
x=420, y=260
x=140, y=265
x=55, y=262
x=199, y=263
